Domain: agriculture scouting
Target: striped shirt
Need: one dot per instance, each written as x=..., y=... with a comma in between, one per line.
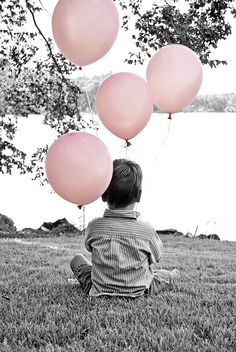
x=123, y=249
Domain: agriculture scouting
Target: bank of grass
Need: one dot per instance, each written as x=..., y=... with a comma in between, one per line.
x=41, y=311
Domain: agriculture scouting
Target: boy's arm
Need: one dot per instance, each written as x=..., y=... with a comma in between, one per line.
x=89, y=231
x=156, y=247
x=86, y=240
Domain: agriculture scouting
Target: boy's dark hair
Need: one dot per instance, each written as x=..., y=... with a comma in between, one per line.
x=126, y=184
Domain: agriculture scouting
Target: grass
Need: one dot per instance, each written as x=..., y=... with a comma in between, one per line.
x=41, y=311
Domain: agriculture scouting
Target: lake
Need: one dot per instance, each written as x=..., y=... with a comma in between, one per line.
x=189, y=175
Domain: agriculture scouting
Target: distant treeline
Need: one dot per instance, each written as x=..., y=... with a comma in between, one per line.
x=28, y=98
x=209, y=103
x=212, y=103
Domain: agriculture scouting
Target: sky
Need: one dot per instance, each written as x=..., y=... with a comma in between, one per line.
x=217, y=80
x=193, y=149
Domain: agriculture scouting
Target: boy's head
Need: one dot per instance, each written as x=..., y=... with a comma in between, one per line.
x=125, y=187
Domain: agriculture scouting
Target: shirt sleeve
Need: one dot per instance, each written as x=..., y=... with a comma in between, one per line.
x=156, y=247
x=87, y=239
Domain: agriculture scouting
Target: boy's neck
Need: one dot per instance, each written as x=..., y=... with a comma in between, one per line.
x=128, y=207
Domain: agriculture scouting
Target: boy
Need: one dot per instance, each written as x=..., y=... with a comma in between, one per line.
x=124, y=249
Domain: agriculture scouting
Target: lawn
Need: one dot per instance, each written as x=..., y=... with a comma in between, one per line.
x=41, y=311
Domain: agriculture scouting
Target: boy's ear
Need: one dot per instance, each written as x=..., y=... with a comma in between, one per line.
x=139, y=196
x=104, y=196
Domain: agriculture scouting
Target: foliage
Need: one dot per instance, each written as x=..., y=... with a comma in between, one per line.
x=41, y=311
x=211, y=103
x=214, y=103
x=6, y=224
x=32, y=83
x=199, y=25
x=89, y=86
x=36, y=79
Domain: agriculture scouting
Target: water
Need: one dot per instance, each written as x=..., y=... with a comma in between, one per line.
x=189, y=176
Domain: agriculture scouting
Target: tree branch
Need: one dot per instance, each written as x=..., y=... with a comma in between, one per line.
x=167, y=3
x=44, y=8
x=46, y=41
x=64, y=79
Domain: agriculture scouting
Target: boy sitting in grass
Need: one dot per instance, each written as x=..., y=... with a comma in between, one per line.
x=124, y=250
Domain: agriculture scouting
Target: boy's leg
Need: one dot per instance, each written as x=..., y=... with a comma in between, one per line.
x=166, y=276
x=78, y=260
x=163, y=276
x=82, y=268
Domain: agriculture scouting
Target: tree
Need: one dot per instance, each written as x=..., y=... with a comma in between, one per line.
x=213, y=103
x=35, y=78
x=32, y=85
x=199, y=26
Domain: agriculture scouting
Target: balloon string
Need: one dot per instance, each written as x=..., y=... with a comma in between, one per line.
x=83, y=230
x=161, y=147
x=83, y=218
x=163, y=143
x=127, y=144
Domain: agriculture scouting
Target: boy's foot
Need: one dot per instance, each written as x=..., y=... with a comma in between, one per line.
x=73, y=281
x=175, y=275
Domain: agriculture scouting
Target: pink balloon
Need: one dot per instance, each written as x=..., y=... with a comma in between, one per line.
x=124, y=104
x=79, y=167
x=85, y=30
x=175, y=76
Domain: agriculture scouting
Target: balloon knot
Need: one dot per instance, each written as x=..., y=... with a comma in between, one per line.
x=80, y=206
x=127, y=143
x=170, y=116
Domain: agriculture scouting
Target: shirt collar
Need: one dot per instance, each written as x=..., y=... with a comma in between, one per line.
x=121, y=213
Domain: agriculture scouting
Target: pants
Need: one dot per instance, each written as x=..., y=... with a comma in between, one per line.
x=82, y=268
